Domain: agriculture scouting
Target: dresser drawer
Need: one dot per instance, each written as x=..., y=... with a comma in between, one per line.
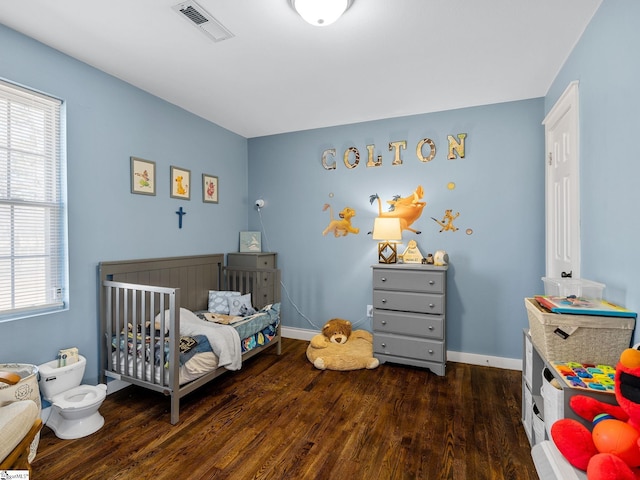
x=409, y=280
x=398, y=346
x=413, y=324
x=252, y=260
x=408, y=301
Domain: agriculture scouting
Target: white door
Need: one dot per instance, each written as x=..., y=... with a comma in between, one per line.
x=562, y=181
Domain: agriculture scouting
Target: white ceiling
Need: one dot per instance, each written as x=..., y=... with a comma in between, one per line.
x=382, y=59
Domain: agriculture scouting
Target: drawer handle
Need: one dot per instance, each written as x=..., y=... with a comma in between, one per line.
x=430, y=327
x=383, y=345
x=383, y=279
x=431, y=305
x=384, y=300
x=383, y=322
x=431, y=282
x=430, y=352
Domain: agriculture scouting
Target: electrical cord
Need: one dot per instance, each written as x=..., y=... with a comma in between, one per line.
x=286, y=291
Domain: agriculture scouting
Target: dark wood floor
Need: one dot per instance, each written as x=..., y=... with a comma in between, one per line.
x=280, y=418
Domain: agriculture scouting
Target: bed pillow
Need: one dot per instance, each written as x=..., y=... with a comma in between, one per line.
x=219, y=301
x=241, y=305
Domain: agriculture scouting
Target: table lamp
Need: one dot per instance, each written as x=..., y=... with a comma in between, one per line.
x=389, y=232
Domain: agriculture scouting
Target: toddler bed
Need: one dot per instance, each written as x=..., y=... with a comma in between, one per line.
x=174, y=324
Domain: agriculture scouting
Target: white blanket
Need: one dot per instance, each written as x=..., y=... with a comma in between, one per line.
x=224, y=340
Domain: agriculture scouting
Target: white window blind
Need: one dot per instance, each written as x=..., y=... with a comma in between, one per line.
x=33, y=259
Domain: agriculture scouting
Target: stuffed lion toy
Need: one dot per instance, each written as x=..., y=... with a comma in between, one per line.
x=338, y=348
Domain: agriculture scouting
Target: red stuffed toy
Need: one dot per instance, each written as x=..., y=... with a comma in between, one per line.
x=611, y=451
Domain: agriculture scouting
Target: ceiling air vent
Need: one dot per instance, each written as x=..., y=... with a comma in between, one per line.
x=203, y=20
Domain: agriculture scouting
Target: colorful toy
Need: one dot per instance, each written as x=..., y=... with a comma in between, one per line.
x=615, y=436
x=611, y=451
x=338, y=348
x=587, y=376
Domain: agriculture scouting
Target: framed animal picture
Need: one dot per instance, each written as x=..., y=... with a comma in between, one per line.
x=143, y=176
x=209, y=188
x=180, y=183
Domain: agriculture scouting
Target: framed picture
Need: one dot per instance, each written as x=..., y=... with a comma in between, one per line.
x=180, y=183
x=250, y=242
x=209, y=188
x=143, y=176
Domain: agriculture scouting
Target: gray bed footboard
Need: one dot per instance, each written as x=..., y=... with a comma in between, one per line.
x=137, y=337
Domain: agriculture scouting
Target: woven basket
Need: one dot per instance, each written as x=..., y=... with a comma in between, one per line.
x=598, y=340
x=26, y=389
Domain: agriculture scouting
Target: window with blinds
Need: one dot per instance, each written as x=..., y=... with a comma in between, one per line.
x=33, y=251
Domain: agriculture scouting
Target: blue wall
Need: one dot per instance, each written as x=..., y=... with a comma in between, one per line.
x=499, y=192
x=604, y=64
x=107, y=122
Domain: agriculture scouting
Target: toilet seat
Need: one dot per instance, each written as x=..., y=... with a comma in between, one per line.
x=80, y=397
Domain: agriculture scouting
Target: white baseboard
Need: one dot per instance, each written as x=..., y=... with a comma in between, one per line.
x=470, y=358
x=298, y=333
x=487, y=361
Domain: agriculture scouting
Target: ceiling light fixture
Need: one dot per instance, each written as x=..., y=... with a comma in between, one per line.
x=321, y=12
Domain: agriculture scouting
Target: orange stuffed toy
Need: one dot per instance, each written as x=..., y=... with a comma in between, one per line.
x=611, y=450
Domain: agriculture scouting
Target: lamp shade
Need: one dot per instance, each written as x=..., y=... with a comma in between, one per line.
x=320, y=12
x=387, y=229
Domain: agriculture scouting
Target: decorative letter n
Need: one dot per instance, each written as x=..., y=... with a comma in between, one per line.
x=455, y=146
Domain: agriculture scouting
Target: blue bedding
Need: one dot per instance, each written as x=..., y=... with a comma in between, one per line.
x=254, y=331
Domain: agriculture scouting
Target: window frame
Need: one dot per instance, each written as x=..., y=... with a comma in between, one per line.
x=46, y=261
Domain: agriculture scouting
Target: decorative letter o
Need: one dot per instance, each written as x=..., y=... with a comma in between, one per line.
x=421, y=143
x=356, y=154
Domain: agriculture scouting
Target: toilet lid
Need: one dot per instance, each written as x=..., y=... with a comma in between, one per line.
x=79, y=397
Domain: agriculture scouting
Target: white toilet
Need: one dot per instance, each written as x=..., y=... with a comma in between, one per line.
x=74, y=407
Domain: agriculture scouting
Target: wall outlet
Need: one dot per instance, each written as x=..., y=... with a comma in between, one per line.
x=369, y=310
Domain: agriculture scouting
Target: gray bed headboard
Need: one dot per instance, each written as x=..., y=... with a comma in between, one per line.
x=193, y=275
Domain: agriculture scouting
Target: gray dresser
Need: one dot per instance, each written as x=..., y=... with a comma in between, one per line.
x=254, y=272
x=409, y=303
x=253, y=260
